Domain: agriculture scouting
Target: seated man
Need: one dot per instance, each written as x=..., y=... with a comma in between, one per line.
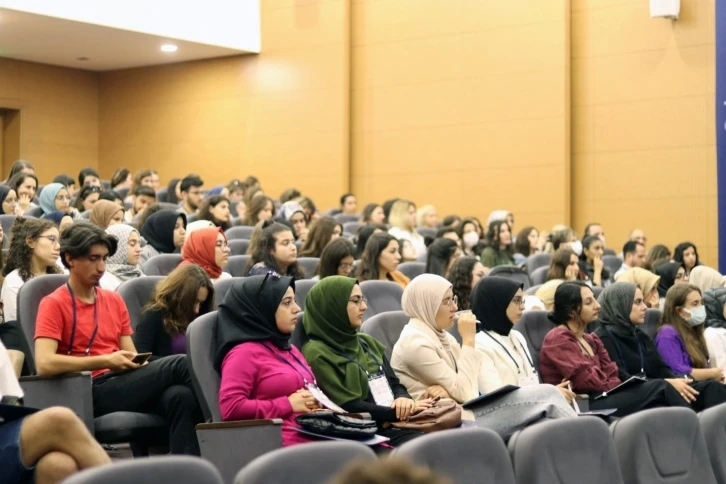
x=48, y=445
x=633, y=256
x=81, y=327
x=141, y=198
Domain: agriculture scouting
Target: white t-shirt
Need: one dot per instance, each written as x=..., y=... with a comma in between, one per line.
x=9, y=295
x=224, y=275
x=414, y=237
x=109, y=282
x=8, y=381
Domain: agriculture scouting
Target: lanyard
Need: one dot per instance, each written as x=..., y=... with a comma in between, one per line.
x=305, y=380
x=531, y=364
x=578, y=341
x=365, y=347
x=620, y=354
x=73, y=328
x=456, y=367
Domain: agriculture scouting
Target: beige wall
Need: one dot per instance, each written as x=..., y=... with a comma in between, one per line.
x=643, y=122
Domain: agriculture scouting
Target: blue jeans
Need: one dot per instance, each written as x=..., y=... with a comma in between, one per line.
x=12, y=469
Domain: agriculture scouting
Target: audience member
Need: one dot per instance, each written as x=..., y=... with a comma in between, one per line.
x=87, y=197
x=173, y=190
x=105, y=213
x=364, y=233
x=387, y=205
x=311, y=211
x=121, y=178
x=68, y=181
x=637, y=235
x=403, y=225
x=469, y=233
x=646, y=281
x=61, y=220
x=564, y=265
x=463, y=275
x=705, y=278
x=373, y=214
x=594, y=229
x=442, y=253
x=499, y=250
x=34, y=251
x=236, y=191
x=451, y=221
x=142, y=178
x=504, y=215
x=142, y=197
x=528, y=242
x=563, y=237
x=657, y=255
x=591, y=263
x=9, y=202
x=448, y=233
x=670, y=273
x=345, y=361
x=633, y=256
x=259, y=209
x=322, y=232
x=348, y=204
x=25, y=185
x=289, y=195
x=155, y=180
x=208, y=249
x=191, y=192
x=124, y=263
x=546, y=293
x=687, y=254
x=184, y=294
x=164, y=232
x=21, y=166
x=427, y=216
x=292, y=214
x=276, y=252
x=89, y=176
x=715, y=333
x=252, y=193
x=380, y=260
x=55, y=198
x=216, y=209
x=66, y=342
x=337, y=259
x=112, y=196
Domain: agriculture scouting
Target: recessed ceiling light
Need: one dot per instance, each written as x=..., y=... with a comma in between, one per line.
x=168, y=48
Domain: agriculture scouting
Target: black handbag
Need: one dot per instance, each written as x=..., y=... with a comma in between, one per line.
x=336, y=425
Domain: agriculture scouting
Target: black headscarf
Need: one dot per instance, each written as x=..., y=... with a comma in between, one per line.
x=667, y=273
x=158, y=230
x=4, y=190
x=246, y=316
x=714, y=299
x=489, y=302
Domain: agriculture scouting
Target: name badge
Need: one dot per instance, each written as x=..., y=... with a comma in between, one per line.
x=381, y=390
x=322, y=398
x=528, y=380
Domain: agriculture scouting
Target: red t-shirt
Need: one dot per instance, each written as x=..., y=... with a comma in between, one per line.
x=55, y=321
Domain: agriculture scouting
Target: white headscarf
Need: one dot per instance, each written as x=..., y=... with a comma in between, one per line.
x=705, y=278
x=198, y=224
x=422, y=299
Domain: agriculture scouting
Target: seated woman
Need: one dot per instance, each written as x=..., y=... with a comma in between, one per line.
x=591, y=263
x=705, y=278
x=55, y=198
x=528, y=242
x=622, y=310
x=715, y=333
x=208, y=249
x=348, y=204
x=564, y=266
x=184, y=294
x=680, y=339
x=293, y=214
x=345, y=361
x=403, y=225
x=106, y=213
x=216, y=209
x=364, y=233
x=380, y=260
x=464, y=274
x=34, y=251
x=275, y=252
x=646, y=281
x=87, y=198
x=546, y=293
x=441, y=254
x=500, y=250
x=322, y=232
x=263, y=375
x=427, y=216
x=26, y=186
x=687, y=254
x=123, y=264
x=569, y=353
x=430, y=363
x=164, y=232
x=337, y=259
x=9, y=202
x=259, y=208
x=656, y=255
x=373, y=214
x=497, y=304
x=671, y=273
x=470, y=235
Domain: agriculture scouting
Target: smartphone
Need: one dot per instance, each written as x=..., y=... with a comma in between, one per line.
x=141, y=358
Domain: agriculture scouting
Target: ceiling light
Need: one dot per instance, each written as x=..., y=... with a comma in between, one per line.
x=168, y=48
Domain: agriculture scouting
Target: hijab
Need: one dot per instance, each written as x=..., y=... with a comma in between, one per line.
x=246, y=314
x=158, y=230
x=422, y=299
x=199, y=249
x=118, y=264
x=327, y=324
x=546, y=292
x=489, y=302
x=103, y=211
x=215, y=190
x=667, y=273
x=47, y=196
x=4, y=191
x=288, y=209
x=705, y=278
x=643, y=278
x=714, y=299
x=198, y=224
x=616, y=304
x=55, y=217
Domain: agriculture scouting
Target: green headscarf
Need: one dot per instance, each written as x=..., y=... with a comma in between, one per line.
x=327, y=325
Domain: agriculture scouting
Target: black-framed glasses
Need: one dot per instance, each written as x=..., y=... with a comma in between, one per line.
x=269, y=274
x=518, y=301
x=358, y=300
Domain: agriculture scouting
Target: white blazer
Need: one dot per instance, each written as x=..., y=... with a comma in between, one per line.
x=497, y=367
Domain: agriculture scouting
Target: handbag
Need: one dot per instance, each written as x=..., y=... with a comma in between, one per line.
x=443, y=414
x=333, y=424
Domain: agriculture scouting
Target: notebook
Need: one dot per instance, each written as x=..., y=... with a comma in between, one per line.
x=475, y=402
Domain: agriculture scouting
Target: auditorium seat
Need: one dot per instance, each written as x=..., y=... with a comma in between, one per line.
x=123, y=192
x=237, y=265
x=302, y=287
x=173, y=469
x=652, y=318
x=513, y=273
x=221, y=287
x=343, y=218
x=536, y=261
x=534, y=326
x=427, y=232
x=238, y=246
x=532, y=290
x=312, y=463
x=308, y=265
x=351, y=227
x=161, y=265
x=162, y=194
x=539, y=276
x=239, y=232
x=386, y=328
x=136, y=293
x=381, y=296
x=612, y=263
x=35, y=212
x=412, y=269
x=713, y=427
x=6, y=221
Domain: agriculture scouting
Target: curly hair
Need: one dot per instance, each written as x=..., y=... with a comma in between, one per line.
x=20, y=256
x=493, y=240
x=320, y=234
x=460, y=278
x=176, y=297
x=205, y=212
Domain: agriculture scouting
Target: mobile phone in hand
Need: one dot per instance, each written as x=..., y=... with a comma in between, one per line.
x=141, y=358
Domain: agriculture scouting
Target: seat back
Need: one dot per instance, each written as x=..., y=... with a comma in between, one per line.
x=161, y=265
x=201, y=345
x=382, y=296
x=308, y=265
x=169, y=206
x=136, y=293
x=351, y=227
x=563, y=451
x=175, y=469
x=534, y=326
x=532, y=290
x=29, y=298
x=513, y=273
x=713, y=427
x=237, y=265
x=652, y=318
x=34, y=212
x=412, y=269
x=299, y=337
x=239, y=232
x=342, y=218
x=7, y=221
x=302, y=288
x=310, y=463
x=462, y=455
x=607, y=251
x=427, y=232
x=162, y=194
x=221, y=287
x=238, y=246
x=536, y=261
x=596, y=291
x=662, y=445
x=386, y=328
x=539, y=275
x=612, y=263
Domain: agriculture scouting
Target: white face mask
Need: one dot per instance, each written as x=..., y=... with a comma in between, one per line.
x=471, y=239
x=576, y=247
x=698, y=316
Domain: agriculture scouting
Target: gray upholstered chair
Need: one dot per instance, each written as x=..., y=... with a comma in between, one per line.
x=161, y=265
x=386, y=328
x=175, y=469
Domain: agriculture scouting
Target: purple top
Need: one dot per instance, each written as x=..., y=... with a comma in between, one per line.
x=179, y=345
x=673, y=351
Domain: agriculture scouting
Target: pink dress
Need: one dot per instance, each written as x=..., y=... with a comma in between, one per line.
x=256, y=384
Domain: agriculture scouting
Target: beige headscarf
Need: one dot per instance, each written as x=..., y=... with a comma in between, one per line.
x=547, y=292
x=422, y=299
x=705, y=278
x=643, y=278
x=103, y=211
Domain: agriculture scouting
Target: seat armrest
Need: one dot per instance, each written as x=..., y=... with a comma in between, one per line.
x=72, y=390
x=238, y=424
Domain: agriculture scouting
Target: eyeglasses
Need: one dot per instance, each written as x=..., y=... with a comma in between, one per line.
x=450, y=301
x=222, y=244
x=346, y=265
x=60, y=198
x=518, y=301
x=275, y=276
x=53, y=238
x=358, y=300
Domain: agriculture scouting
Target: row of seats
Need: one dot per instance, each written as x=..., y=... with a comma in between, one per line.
x=164, y=264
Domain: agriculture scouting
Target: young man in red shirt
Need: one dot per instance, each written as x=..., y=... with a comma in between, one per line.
x=81, y=327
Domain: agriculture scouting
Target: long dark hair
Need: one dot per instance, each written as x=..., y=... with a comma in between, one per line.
x=20, y=255
x=493, y=231
x=19, y=166
x=206, y=214
x=438, y=255
x=368, y=211
x=460, y=277
x=369, y=270
x=558, y=264
x=333, y=253
x=255, y=206
x=364, y=233
x=84, y=193
x=263, y=253
x=568, y=300
x=678, y=252
x=522, y=245
x=319, y=237
x=692, y=338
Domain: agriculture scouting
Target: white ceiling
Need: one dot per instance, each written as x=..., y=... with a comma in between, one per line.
x=51, y=40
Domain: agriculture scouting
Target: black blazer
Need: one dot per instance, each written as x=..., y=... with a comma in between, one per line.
x=150, y=335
